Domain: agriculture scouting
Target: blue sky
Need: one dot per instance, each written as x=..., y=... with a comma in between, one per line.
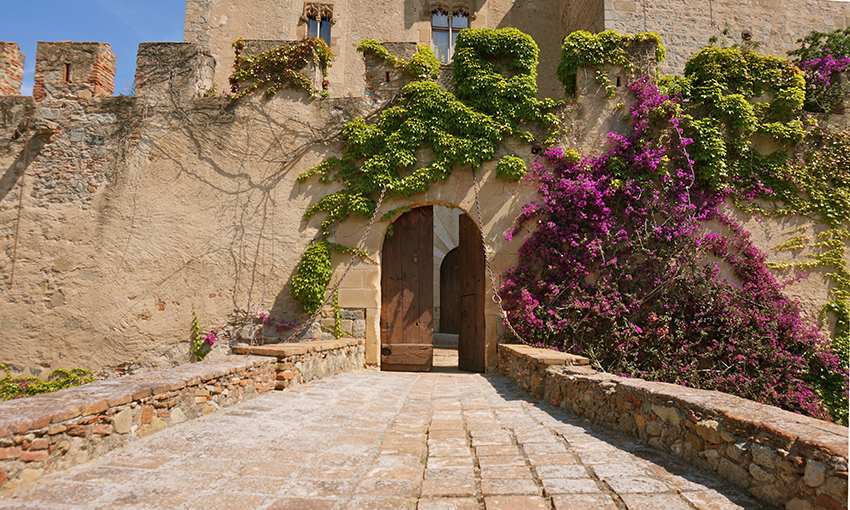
x=121, y=23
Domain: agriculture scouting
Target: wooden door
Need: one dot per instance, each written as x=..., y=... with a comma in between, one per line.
x=450, y=293
x=407, y=293
x=471, y=265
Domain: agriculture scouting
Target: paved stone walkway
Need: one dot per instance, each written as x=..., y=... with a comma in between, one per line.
x=372, y=440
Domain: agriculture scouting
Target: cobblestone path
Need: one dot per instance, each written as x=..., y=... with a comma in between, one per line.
x=373, y=440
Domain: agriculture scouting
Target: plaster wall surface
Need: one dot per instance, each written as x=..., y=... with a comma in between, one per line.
x=686, y=25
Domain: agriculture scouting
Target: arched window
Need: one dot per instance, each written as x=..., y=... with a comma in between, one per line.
x=320, y=28
x=319, y=18
x=444, y=29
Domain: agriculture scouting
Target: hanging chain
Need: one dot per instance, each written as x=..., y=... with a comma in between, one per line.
x=496, y=298
x=357, y=249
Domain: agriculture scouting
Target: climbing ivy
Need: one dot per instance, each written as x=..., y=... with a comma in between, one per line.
x=279, y=68
x=19, y=387
x=583, y=49
x=737, y=96
x=511, y=168
x=423, y=66
x=494, y=98
x=311, y=280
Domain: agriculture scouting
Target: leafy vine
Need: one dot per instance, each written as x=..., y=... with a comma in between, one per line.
x=278, y=68
x=423, y=66
x=583, y=49
x=495, y=87
x=19, y=387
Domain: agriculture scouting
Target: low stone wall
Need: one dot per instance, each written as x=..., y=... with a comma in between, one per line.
x=299, y=363
x=781, y=457
x=58, y=430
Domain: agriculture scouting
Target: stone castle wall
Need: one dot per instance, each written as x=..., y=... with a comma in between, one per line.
x=216, y=25
x=687, y=25
x=120, y=216
x=11, y=69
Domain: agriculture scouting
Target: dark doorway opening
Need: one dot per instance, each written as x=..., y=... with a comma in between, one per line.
x=407, y=294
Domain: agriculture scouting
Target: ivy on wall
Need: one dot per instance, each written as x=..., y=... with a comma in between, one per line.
x=823, y=56
x=19, y=387
x=423, y=66
x=585, y=50
x=495, y=87
x=279, y=68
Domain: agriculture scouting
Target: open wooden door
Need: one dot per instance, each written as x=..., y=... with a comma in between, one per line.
x=450, y=293
x=470, y=349
x=407, y=293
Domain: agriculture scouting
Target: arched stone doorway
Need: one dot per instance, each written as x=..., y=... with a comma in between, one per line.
x=407, y=294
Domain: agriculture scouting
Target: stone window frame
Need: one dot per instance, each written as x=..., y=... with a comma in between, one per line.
x=449, y=8
x=451, y=32
x=322, y=14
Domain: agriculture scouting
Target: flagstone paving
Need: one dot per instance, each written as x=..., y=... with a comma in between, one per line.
x=378, y=440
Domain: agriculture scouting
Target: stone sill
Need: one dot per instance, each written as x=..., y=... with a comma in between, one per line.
x=22, y=415
x=547, y=357
x=55, y=431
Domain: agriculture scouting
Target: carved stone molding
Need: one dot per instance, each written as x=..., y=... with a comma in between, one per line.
x=318, y=11
x=451, y=7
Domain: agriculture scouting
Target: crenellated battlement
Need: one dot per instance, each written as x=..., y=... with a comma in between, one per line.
x=11, y=69
x=179, y=70
x=69, y=70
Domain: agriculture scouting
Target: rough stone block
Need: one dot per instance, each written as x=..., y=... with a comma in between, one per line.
x=11, y=70
x=174, y=71
x=68, y=70
x=670, y=415
x=123, y=421
x=709, y=430
x=814, y=474
x=33, y=456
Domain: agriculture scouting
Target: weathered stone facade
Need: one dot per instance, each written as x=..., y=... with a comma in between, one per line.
x=687, y=25
x=782, y=458
x=217, y=24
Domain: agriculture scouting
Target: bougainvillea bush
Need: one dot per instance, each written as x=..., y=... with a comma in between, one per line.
x=620, y=268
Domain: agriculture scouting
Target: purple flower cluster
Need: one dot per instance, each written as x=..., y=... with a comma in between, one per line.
x=211, y=337
x=619, y=268
x=278, y=324
x=823, y=70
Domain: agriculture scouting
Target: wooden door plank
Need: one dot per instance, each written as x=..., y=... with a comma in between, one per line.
x=426, y=276
x=407, y=354
x=410, y=269
x=472, y=266
x=407, y=293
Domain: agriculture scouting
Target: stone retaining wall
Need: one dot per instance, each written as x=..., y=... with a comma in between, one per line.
x=58, y=430
x=781, y=457
x=299, y=363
